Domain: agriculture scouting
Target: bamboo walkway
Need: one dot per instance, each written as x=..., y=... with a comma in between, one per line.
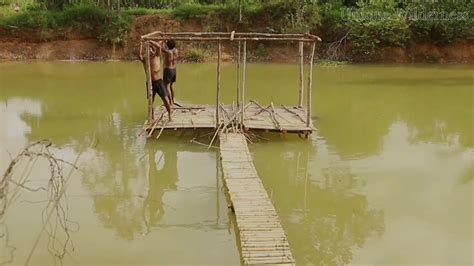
x=262, y=238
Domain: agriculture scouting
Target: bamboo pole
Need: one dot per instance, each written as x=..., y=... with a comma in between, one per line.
x=238, y=75
x=226, y=38
x=200, y=34
x=196, y=33
x=310, y=85
x=148, y=81
x=244, y=70
x=301, y=74
x=218, y=120
x=240, y=11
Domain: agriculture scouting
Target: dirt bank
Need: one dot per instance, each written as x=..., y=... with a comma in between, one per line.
x=68, y=44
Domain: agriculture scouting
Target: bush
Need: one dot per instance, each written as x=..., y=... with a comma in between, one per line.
x=369, y=27
x=141, y=11
x=333, y=21
x=190, y=11
x=441, y=22
x=368, y=35
x=116, y=28
x=195, y=55
x=293, y=16
x=107, y=26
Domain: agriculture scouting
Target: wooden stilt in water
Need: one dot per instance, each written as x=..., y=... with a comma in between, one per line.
x=218, y=120
x=148, y=81
x=301, y=74
x=310, y=85
x=244, y=74
x=238, y=75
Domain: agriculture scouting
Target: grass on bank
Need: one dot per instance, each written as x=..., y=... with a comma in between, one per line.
x=195, y=55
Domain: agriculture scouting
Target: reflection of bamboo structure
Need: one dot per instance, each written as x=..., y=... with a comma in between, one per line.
x=241, y=77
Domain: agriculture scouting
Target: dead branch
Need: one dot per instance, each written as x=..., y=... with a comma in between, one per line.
x=55, y=192
x=334, y=51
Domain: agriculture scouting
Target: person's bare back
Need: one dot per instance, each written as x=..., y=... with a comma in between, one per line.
x=169, y=71
x=158, y=86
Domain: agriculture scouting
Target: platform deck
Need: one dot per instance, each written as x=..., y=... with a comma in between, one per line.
x=262, y=238
x=282, y=118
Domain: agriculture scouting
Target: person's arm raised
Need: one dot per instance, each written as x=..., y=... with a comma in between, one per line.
x=157, y=45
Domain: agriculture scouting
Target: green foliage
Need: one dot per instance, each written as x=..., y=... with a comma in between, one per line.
x=107, y=26
x=369, y=25
x=198, y=11
x=116, y=28
x=441, y=22
x=141, y=11
x=374, y=24
x=334, y=21
x=289, y=16
x=190, y=11
x=195, y=55
x=373, y=27
x=295, y=16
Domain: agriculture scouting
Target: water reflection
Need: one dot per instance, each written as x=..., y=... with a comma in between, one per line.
x=319, y=203
x=357, y=106
x=338, y=219
x=162, y=176
x=14, y=129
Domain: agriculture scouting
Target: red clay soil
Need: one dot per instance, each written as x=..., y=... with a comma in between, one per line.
x=16, y=44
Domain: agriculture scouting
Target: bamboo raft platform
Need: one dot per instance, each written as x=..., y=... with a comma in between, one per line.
x=256, y=117
x=250, y=116
x=262, y=238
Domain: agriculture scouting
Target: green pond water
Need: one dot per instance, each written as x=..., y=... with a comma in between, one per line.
x=387, y=178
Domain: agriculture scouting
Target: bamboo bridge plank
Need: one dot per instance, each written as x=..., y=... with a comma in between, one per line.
x=262, y=238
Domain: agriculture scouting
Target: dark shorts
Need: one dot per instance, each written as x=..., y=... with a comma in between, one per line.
x=169, y=75
x=159, y=88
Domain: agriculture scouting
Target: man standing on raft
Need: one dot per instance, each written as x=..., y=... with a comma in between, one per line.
x=169, y=73
x=157, y=84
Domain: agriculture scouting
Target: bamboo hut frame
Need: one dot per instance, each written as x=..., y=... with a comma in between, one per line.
x=241, y=62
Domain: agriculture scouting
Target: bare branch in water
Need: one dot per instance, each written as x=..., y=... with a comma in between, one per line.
x=58, y=246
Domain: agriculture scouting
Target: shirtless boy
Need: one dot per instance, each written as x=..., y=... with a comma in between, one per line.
x=169, y=73
x=157, y=83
